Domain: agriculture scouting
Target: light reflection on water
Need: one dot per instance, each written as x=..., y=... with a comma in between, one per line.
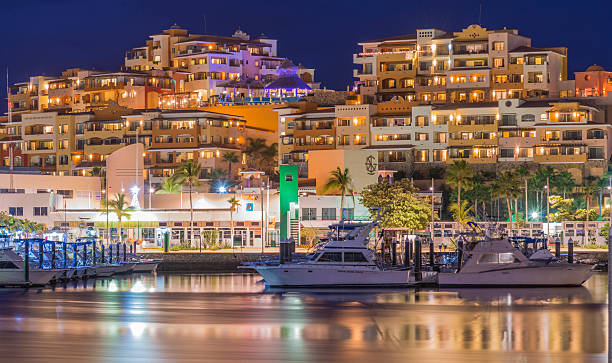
x=234, y=317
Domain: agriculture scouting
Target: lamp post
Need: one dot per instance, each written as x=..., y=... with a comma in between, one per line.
x=547, y=187
x=135, y=190
x=261, y=202
x=432, y=208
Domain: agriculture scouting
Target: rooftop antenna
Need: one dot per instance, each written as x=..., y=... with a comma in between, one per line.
x=480, y=15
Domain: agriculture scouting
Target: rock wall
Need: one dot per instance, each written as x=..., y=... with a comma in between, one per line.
x=206, y=261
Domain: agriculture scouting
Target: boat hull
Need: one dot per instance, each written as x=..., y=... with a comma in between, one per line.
x=547, y=275
x=145, y=267
x=17, y=277
x=338, y=276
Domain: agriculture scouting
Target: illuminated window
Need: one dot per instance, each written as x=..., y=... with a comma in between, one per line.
x=498, y=46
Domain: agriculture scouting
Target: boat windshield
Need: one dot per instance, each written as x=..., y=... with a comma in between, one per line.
x=504, y=257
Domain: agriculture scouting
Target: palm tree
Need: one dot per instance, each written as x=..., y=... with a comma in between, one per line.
x=587, y=192
x=96, y=171
x=169, y=186
x=189, y=173
x=461, y=214
x=563, y=182
x=234, y=203
x=120, y=208
x=459, y=175
x=230, y=157
x=538, y=181
x=523, y=173
x=507, y=185
x=341, y=181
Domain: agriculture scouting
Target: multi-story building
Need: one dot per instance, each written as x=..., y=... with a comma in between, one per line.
x=79, y=90
x=77, y=143
x=472, y=65
x=209, y=67
x=593, y=82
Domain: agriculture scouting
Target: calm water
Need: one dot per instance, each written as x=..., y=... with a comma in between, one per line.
x=147, y=318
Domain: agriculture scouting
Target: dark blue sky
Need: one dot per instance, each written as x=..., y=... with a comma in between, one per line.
x=46, y=37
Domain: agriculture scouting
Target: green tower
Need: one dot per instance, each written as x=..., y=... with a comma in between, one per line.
x=288, y=198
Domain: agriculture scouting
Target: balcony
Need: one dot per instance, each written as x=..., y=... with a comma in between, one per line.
x=472, y=142
x=560, y=158
x=363, y=58
x=473, y=160
x=361, y=72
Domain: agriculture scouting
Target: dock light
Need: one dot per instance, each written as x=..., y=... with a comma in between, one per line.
x=152, y=190
x=222, y=189
x=534, y=215
x=135, y=189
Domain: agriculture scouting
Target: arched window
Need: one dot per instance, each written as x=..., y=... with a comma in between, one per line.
x=528, y=118
x=389, y=83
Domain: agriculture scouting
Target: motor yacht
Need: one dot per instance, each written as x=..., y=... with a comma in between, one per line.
x=496, y=262
x=343, y=261
x=12, y=271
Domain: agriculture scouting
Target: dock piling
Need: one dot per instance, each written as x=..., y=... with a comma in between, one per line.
x=124, y=252
x=417, y=259
x=53, y=255
x=110, y=253
x=102, y=248
x=26, y=261
x=406, y=253
x=41, y=255
x=432, y=260
x=570, y=251
x=394, y=251
x=65, y=255
x=459, y=253
x=558, y=248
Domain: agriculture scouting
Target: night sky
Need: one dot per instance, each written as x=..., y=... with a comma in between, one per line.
x=46, y=37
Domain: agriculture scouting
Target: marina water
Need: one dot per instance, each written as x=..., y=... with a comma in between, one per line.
x=232, y=317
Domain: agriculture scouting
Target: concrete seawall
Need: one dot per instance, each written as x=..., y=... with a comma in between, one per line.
x=206, y=261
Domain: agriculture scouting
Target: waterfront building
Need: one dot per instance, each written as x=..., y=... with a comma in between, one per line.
x=473, y=65
x=211, y=68
x=593, y=82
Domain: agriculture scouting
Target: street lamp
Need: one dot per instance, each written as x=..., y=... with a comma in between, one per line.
x=135, y=190
x=432, y=209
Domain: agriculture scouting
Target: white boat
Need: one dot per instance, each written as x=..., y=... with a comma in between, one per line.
x=495, y=262
x=108, y=270
x=341, y=262
x=146, y=266
x=12, y=271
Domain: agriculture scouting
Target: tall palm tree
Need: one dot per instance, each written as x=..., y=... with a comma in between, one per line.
x=461, y=214
x=234, y=204
x=459, y=175
x=230, y=157
x=587, y=191
x=523, y=173
x=507, y=185
x=563, y=182
x=538, y=181
x=188, y=173
x=121, y=209
x=343, y=182
x=169, y=186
